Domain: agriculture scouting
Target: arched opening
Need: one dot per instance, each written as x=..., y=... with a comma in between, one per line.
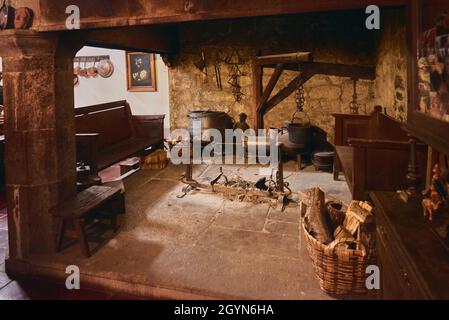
x=121, y=86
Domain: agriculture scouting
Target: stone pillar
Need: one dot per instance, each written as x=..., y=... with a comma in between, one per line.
x=39, y=134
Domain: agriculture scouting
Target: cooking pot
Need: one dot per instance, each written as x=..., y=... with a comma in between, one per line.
x=210, y=120
x=300, y=132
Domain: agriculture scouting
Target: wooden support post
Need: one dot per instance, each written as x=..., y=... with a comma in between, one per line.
x=413, y=177
x=257, y=93
x=280, y=171
x=270, y=87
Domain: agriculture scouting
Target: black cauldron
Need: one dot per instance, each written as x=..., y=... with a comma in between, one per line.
x=210, y=120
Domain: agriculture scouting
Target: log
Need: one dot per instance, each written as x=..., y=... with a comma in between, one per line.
x=316, y=217
x=358, y=213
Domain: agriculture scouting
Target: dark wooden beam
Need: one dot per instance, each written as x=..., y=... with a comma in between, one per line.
x=286, y=92
x=51, y=16
x=257, y=94
x=333, y=69
x=270, y=86
x=158, y=39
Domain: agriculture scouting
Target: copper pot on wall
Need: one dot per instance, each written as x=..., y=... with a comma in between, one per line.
x=210, y=120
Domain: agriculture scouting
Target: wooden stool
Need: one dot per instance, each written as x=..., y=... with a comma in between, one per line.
x=94, y=202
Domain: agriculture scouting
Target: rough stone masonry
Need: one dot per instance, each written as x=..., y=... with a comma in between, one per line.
x=332, y=37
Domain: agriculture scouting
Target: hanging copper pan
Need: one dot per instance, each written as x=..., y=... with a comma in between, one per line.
x=105, y=68
x=92, y=71
x=6, y=16
x=83, y=72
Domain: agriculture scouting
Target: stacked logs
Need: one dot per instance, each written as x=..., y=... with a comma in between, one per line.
x=331, y=221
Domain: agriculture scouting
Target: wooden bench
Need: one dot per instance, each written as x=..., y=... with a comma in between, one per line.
x=97, y=202
x=109, y=133
x=373, y=153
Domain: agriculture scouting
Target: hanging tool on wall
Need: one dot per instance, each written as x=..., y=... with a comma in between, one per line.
x=235, y=61
x=218, y=75
x=202, y=65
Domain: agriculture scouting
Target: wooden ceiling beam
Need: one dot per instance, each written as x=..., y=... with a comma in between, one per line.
x=333, y=69
x=51, y=14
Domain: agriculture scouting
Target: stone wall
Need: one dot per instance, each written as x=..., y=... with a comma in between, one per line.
x=333, y=37
x=391, y=73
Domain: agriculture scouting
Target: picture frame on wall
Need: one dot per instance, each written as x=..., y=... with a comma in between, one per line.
x=141, y=72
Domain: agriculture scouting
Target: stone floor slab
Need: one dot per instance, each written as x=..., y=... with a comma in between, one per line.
x=242, y=215
x=284, y=228
x=249, y=242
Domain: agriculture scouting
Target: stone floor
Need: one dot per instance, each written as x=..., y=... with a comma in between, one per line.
x=202, y=246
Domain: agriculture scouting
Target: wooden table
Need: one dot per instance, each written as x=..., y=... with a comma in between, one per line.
x=94, y=202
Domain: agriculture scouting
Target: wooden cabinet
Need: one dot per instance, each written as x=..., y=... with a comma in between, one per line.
x=413, y=257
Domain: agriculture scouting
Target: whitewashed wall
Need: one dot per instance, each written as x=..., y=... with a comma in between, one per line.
x=99, y=90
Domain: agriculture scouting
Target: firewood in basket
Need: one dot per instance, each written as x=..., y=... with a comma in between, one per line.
x=316, y=217
x=341, y=233
x=356, y=215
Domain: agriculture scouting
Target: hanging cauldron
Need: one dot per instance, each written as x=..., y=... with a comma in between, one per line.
x=300, y=132
x=210, y=120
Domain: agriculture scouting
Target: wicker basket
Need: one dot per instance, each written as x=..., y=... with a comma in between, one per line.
x=341, y=271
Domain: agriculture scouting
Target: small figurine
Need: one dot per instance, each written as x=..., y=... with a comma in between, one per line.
x=242, y=123
x=437, y=195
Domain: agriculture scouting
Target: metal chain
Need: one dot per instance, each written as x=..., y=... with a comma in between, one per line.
x=300, y=94
x=300, y=97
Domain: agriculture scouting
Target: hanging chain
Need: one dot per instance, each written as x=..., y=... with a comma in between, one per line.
x=300, y=98
x=300, y=95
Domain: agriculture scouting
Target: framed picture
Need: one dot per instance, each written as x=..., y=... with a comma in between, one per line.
x=428, y=29
x=141, y=71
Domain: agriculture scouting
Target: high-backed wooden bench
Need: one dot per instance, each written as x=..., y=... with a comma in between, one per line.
x=373, y=153
x=108, y=133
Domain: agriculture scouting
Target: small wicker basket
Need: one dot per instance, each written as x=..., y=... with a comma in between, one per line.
x=341, y=271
